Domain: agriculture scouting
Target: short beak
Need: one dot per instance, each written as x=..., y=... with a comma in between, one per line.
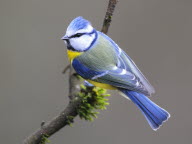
x=65, y=38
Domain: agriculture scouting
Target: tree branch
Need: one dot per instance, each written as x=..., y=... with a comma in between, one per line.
x=66, y=68
x=63, y=119
x=66, y=116
x=108, y=15
x=54, y=125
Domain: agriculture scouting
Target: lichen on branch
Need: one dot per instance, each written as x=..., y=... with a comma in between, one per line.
x=93, y=99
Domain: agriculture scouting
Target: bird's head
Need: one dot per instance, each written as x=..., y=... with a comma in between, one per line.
x=80, y=35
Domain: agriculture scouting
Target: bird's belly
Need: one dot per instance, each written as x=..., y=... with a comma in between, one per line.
x=102, y=85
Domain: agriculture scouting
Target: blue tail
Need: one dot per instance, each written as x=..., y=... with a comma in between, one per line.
x=154, y=114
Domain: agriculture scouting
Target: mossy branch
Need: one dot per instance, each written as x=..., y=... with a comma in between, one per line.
x=93, y=98
x=84, y=101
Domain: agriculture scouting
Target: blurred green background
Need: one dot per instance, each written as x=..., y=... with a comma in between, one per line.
x=157, y=34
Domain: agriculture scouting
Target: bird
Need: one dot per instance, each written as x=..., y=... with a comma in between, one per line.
x=102, y=63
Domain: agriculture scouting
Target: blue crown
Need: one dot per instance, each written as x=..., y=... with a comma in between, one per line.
x=78, y=23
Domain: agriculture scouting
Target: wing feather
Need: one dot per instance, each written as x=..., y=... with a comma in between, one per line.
x=131, y=66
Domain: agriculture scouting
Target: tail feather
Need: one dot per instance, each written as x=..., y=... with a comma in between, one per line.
x=154, y=114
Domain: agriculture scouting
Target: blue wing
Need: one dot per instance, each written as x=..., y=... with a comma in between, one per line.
x=85, y=71
x=106, y=63
x=125, y=62
x=117, y=76
x=129, y=65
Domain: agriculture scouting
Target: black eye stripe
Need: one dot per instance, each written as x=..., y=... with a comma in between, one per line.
x=77, y=35
x=80, y=34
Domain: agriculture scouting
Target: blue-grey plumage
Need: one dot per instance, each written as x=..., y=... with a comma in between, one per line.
x=101, y=62
x=117, y=69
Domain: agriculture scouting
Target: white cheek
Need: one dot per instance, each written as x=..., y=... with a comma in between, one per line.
x=83, y=42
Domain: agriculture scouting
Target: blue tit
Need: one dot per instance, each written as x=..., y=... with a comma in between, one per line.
x=100, y=61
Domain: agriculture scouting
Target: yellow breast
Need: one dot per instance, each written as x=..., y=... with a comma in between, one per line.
x=72, y=54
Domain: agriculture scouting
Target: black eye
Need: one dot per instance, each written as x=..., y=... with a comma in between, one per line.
x=77, y=35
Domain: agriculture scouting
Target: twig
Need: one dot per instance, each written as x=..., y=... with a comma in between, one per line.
x=58, y=122
x=66, y=68
x=62, y=119
x=54, y=125
x=108, y=15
